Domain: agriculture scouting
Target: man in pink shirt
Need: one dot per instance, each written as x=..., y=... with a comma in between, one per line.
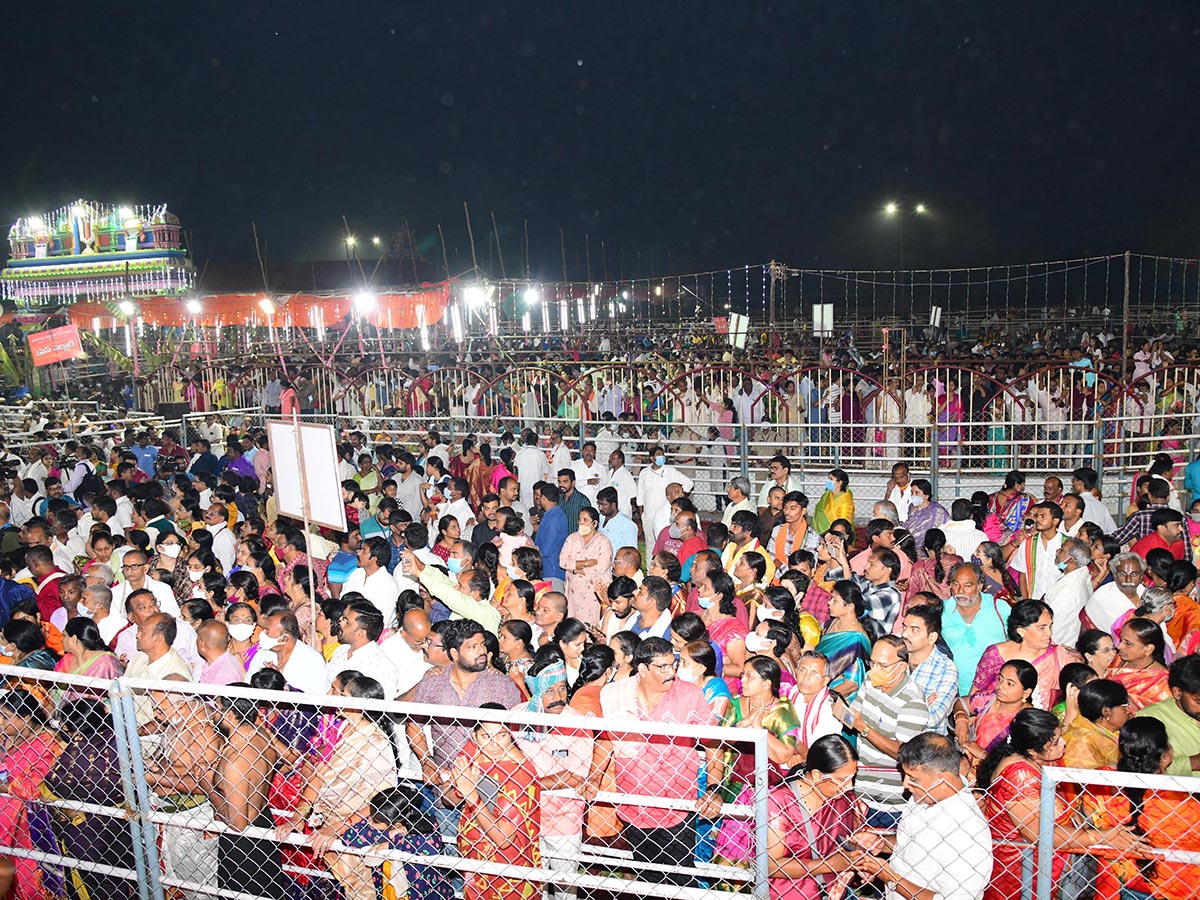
x=880, y=536
x=658, y=766
x=220, y=666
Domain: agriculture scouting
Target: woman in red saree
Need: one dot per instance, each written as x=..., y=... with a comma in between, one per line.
x=1140, y=664
x=30, y=753
x=1011, y=776
x=500, y=815
x=725, y=629
x=1029, y=629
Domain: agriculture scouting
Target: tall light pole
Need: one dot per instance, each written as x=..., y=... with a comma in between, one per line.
x=898, y=213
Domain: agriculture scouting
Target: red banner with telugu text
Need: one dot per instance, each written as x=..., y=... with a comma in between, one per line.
x=55, y=345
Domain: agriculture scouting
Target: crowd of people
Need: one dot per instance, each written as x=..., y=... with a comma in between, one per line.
x=914, y=668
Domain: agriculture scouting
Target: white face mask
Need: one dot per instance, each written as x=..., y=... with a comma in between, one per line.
x=513, y=574
x=171, y=551
x=756, y=643
x=241, y=631
x=770, y=615
x=194, y=576
x=266, y=642
x=688, y=675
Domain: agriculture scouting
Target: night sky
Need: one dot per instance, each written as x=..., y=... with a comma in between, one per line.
x=719, y=134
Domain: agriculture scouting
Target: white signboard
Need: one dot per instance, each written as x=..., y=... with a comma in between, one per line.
x=822, y=319
x=316, y=484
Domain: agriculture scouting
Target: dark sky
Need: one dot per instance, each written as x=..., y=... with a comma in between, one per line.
x=720, y=134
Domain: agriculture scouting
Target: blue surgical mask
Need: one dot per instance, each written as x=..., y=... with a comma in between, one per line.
x=706, y=602
x=829, y=485
x=455, y=565
x=660, y=460
x=513, y=573
x=1062, y=566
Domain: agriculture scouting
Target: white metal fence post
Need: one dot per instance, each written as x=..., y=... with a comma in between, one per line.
x=137, y=825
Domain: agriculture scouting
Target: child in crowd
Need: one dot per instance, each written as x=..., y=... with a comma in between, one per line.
x=396, y=823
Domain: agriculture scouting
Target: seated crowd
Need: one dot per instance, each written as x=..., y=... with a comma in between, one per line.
x=913, y=674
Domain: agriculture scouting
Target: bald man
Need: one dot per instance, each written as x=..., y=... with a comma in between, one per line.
x=628, y=562
x=219, y=666
x=404, y=650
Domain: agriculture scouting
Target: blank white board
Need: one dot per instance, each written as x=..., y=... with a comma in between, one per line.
x=324, y=496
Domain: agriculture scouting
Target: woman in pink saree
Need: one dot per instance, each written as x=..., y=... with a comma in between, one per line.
x=1029, y=629
x=30, y=751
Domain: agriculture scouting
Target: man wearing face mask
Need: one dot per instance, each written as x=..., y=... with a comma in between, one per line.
x=887, y=711
x=371, y=578
x=1071, y=593
x=280, y=648
x=943, y=845
x=562, y=759
x=96, y=604
x=652, y=489
x=466, y=591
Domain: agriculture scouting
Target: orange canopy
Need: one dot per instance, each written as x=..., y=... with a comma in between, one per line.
x=411, y=309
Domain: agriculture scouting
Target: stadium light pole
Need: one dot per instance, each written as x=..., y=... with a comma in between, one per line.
x=896, y=212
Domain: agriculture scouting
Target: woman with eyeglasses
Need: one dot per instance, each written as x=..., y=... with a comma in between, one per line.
x=808, y=818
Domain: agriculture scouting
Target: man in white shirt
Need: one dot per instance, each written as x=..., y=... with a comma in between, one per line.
x=1036, y=557
x=135, y=568
x=1111, y=601
x=652, y=489
x=780, y=470
x=141, y=607
x=154, y=659
x=560, y=453
x=280, y=645
x=942, y=846
x=371, y=578
x=738, y=494
x=1069, y=595
x=1072, y=507
x=457, y=505
x=358, y=634
x=962, y=537
x=532, y=466
x=1085, y=482
x=590, y=476
x=224, y=547
x=404, y=649
x=621, y=481
x=899, y=492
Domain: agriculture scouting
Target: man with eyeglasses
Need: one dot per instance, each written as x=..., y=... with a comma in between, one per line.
x=666, y=768
x=135, y=570
x=887, y=711
x=942, y=846
x=140, y=606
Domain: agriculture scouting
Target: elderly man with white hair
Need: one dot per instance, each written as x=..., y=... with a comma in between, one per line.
x=1070, y=594
x=1111, y=601
x=96, y=604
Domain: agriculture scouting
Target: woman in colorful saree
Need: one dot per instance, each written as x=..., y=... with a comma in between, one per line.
x=846, y=642
x=1140, y=666
x=1029, y=629
x=1011, y=777
x=30, y=750
x=808, y=817
x=1011, y=504
x=1016, y=684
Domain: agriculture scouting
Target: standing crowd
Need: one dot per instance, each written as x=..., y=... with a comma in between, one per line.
x=914, y=669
